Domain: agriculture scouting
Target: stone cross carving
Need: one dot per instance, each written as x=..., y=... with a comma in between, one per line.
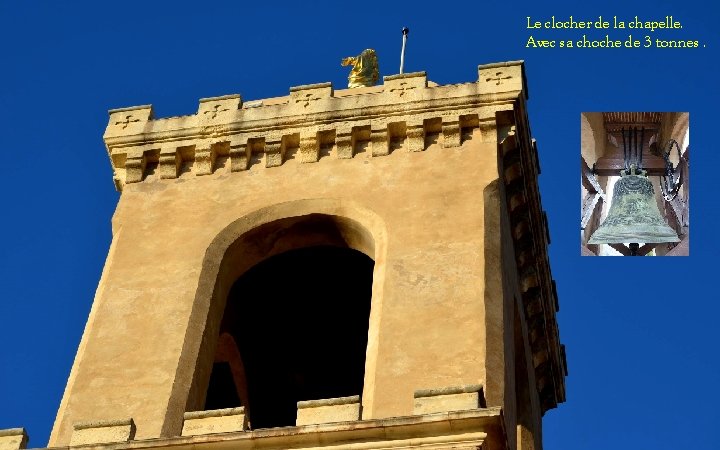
x=498, y=78
x=403, y=89
x=307, y=98
x=127, y=121
x=216, y=109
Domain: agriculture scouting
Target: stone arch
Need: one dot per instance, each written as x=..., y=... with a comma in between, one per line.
x=593, y=141
x=680, y=126
x=249, y=240
x=587, y=141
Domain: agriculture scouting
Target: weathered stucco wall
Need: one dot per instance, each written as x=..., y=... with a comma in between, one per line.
x=431, y=317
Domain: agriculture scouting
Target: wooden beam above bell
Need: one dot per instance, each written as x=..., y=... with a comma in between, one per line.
x=612, y=163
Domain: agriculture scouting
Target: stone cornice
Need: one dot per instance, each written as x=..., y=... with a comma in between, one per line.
x=404, y=107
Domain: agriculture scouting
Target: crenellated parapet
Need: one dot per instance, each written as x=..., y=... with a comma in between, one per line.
x=312, y=122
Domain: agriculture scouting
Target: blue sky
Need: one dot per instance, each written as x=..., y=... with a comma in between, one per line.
x=640, y=333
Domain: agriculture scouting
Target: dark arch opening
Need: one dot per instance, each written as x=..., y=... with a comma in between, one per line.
x=298, y=323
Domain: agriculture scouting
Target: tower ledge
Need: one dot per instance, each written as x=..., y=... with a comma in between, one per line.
x=479, y=428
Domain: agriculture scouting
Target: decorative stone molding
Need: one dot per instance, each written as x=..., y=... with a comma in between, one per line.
x=520, y=169
x=169, y=163
x=455, y=398
x=130, y=120
x=13, y=439
x=310, y=97
x=214, y=421
x=341, y=409
x=213, y=109
x=407, y=84
x=415, y=132
x=240, y=153
x=103, y=432
x=405, y=112
x=508, y=74
x=451, y=132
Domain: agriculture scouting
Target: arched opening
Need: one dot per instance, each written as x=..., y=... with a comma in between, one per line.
x=300, y=323
x=320, y=237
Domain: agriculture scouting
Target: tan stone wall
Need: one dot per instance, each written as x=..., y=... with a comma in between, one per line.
x=428, y=314
x=593, y=137
x=13, y=439
x=102, y=432
x=593, y=141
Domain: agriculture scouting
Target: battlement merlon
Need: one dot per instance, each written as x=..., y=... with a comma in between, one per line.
x=404, y=106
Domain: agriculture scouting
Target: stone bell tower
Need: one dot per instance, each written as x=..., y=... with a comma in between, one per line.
x=352, y=269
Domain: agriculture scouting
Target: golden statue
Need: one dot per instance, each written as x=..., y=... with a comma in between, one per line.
x=365, y=69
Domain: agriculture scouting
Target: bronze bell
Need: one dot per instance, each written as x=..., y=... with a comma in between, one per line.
x=634, y=216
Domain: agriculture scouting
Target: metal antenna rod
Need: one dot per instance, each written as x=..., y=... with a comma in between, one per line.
x=625, y=151
x=405, y=32
x=635, y=155
x=642, y=139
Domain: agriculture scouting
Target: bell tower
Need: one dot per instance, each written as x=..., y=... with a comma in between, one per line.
x=358, y=268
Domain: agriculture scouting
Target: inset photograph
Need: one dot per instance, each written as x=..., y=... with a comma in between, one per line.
x=635, y=173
